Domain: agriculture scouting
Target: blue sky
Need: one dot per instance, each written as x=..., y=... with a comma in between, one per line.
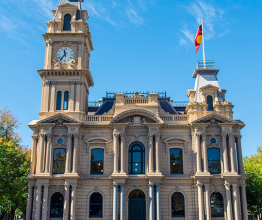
x=141, y=45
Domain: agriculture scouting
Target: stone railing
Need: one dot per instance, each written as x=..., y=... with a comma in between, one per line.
x=131, y=101
x=174, y=118
x=98, y=119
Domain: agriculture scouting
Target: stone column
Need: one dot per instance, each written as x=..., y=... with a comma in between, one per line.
x=29, y=202
x=158, y=202
x=68, y=153
x=244, y=202
x=198, y=151
x=115, y=153
x=66, y=203
x=205, y=153
x=232, y=152
x=41, y=156
x=78, y=96
x=200, y=200
x=45, y=200
x=122, y=204
x=79, y=65
x=73, y=202
x=76, y=136
x=72, y=96
x=235, y=201
x=157, y=154
x=48, y=155
x=208, y=208
x=150, y=152
x=225, y=154
x=33, y=155
x=52, y=97
x=122, y=153
x=239, y=156
x=46, y=104
x=43, y=96
x=228, y=202
x=151, y=202
x=38, y=202
x=115, y=205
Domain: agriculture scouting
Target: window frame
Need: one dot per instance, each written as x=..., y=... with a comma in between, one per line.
x=50, y=204
x=61, y=107
x=100, y=174
x=59, y=146
x=212, y=102
x=103, y=202
x=224, y=204
x=67, y=100
x=220, y=156
x=170, y=205
x=69, y=22
x=143, y=158
x=182, y=161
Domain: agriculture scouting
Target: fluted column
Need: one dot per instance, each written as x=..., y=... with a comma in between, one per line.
x=116, y=153
x=208, y=208
x=122, y=153
x=232, y=152
x=239, y=156
x=73, y=202
x=157, y=154
x=72, y=96
x=29, y=202
x=38, y=202
x=68, y=153
x=150, y=152
x=158, y=202
x=228, y=202
x=200, y=200
x=45, y=199
x=235, y=201
x=66, y=203
x=205, y=154
x=48, y=151
x=115, y=205
x=198, y=151
x=41, y=156
x=122, y=204
x=33, y=155
x=151, y=202
x=47, y=89
x=76, y=136
x=78, y=96
x=52, y=97
x=225, y=154
x=244, y=202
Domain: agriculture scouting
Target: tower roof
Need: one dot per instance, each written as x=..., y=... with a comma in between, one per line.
x=73, y=2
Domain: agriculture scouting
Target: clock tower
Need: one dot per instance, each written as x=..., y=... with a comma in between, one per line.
x=66, y=76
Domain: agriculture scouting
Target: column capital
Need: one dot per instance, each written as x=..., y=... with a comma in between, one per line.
x=122, y=136
x=150, y=135
x=34, y=138
x=69, y=135
x=224, y=135
x=227, y=185
x=239, y=136
x=204, y=137
x=49, y=136
x=157, y=136
x=76, y=135
x=198, y=134
x=42, y=135
x=231, y=135
x=199, y=184
x=235, y=185
x=116, y=135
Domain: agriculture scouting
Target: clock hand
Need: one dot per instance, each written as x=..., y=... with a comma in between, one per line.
x=62, y=57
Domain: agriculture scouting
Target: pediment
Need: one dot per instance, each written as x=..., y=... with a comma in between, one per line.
x=136, y=117
x=59, y=120
x=209, y=87
x=214, y=119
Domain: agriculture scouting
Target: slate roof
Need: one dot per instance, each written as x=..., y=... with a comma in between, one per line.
x=73, y=2
x=105, y=107
x=167, y=107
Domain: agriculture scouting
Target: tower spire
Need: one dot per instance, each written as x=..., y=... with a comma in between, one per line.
x=72, y=2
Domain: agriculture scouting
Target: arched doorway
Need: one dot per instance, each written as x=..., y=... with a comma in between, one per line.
x=137, y=205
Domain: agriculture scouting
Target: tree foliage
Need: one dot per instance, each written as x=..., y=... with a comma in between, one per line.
x=14, y=167
x=253, y=169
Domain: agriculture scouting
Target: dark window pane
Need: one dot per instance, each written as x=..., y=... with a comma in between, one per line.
x=58, y=100
x=210, y=103
x=96, y=206
x=176, y=161
x=59, y=161
x=213, y=140
x=136, y=158
x=214, y=165
x=60, y=141
x=56, y=205
x=178, y=205
x=97, y=161
x=137, y=194
x=137, y=168
x=217, y=205
x=67, y=25
x=66, y=97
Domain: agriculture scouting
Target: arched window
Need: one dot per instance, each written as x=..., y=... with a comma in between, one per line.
x=58, y=100
x=67, y=24
x=66, y=97
x=214, y=165
x=178, y=205
x=136, y=158
x=210, y=103
x=96, y=206
x=217, y=205
x=176, y=161
x=97, y=161
x=59, y=161
x=56, y=205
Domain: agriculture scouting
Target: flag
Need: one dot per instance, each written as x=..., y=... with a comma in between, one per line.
x=198, y=38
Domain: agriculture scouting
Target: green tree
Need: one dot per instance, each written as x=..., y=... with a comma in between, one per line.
x=253, y=169
x=14, y=167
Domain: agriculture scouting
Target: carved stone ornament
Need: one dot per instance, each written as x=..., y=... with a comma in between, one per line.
x=59, y=122
x=137, y=120
x=69, y=66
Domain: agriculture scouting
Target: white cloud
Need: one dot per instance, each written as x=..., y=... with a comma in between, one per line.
x=182, y=41
x=132, y=14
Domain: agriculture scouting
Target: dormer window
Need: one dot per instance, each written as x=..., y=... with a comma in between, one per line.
x=210, y=103
x=67, y=22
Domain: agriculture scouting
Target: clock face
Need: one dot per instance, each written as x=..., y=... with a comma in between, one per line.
x=65, y=54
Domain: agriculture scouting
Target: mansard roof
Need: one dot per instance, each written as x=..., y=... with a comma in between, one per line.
x=72, y=2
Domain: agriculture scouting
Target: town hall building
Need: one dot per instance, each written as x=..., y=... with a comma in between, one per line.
x=134, y=156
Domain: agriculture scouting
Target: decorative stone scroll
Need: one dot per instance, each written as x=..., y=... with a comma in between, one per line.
x=69, y=66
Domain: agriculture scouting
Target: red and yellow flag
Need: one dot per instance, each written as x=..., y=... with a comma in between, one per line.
x=198, y=38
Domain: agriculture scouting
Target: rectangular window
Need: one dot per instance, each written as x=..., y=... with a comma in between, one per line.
x=176, y=161
x=97, y=161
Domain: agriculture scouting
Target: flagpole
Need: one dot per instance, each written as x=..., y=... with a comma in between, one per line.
x=204, y=55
